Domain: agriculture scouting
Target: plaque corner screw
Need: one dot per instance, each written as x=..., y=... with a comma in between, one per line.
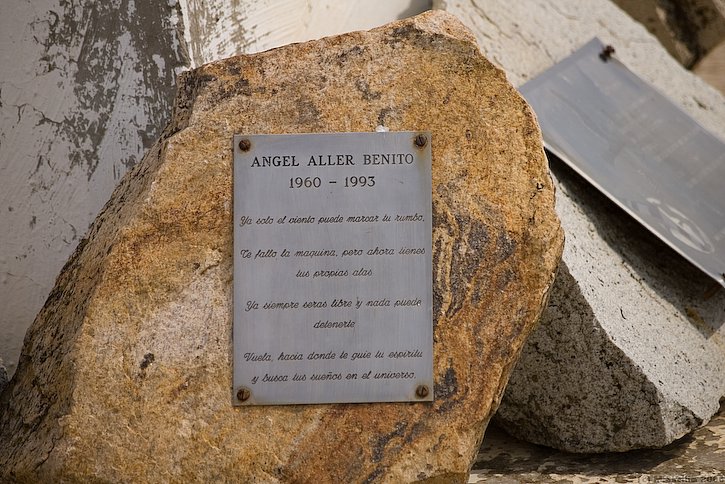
x=421, y=140
x=243, y=394
x=606, y=53
x=245, y=144
x=422, y=391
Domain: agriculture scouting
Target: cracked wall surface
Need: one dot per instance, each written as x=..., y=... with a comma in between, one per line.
x=85, y=88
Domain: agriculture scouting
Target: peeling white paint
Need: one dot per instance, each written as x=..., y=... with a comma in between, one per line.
x=216, y=29
x=80, y=99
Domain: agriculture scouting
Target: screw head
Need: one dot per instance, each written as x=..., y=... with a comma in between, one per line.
x=421, y=140
x=422, y=391
x=243, y=394
x=245, y=144
x=606, y=53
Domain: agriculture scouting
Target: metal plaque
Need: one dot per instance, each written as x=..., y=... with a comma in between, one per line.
x=332, y=268
x=638, y=148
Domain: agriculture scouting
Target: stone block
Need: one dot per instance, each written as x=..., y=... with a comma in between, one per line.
x=126, y=372
x=630, y=352
x=216, y=29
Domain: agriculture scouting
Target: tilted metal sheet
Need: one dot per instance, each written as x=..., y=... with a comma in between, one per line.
x=638, y=148
x=332, y=268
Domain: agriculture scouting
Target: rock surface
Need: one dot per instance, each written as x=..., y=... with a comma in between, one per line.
x=81, y=100
x=153, y=277
x=630, y=352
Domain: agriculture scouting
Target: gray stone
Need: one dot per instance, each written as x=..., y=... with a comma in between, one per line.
x=629, y=354
x=630, y=350
x=217, y=29
x=525, y=38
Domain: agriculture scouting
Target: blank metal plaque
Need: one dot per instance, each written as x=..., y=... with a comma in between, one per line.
x=639, y=149
x=332, y=268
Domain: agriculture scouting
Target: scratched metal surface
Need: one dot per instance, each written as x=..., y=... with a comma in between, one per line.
x=271, y=193
x=639, y=149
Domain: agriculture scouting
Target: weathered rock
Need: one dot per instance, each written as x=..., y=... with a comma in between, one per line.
x=86, y=98
x=629, y=353
x=81, y=99
x=154, y=277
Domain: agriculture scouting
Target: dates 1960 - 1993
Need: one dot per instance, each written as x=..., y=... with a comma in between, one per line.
x=316, y=182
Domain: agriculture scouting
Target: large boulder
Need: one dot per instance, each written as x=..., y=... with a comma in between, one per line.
x=125, y=374
x=629, y=353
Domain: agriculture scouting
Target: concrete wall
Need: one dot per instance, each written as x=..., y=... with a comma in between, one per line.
x=86, y=87
x=216, y=29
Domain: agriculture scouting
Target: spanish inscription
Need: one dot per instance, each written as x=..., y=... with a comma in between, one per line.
x=332, y=268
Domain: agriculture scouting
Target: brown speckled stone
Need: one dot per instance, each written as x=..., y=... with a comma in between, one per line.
x=126, y=372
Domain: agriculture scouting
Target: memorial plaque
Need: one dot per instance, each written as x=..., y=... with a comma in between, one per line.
x=638, y=148
x=332, y=268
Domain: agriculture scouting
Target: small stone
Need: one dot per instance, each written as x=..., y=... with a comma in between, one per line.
x=125, y=374
x=629, y=353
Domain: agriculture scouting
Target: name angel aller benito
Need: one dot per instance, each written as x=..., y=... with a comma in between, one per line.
x=333, y=160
